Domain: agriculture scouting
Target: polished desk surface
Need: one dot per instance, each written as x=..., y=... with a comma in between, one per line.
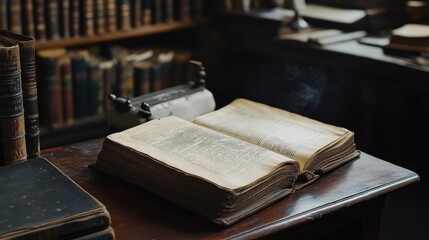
x=138, y=214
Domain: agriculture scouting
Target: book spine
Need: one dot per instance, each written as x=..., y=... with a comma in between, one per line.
x=64, y=17
x=142, y=78
x=156, y=77
x=52, y=19
x=67, y=89
x=27, y=17
x=167, y=11
x=12, y=124
x=39, y=19
x=182, y=10
x=51, y=99
x=110, y=9
x=95, y=88
x=74, y=18
x=87, y=19
x=3, y=14
x=146, y=12
x=156, y=11
x=197, y=9
x=136, y=16
x=100, y=17
x=79, y=78
x=14, y=16
x=29, y=88
x=108, y=69
x=124, y=14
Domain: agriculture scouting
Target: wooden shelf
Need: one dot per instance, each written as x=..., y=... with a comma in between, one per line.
x=137, y=32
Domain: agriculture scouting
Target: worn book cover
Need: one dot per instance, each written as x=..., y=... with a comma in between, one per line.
x=29, y=90
x=39, y=202
x=12, y=123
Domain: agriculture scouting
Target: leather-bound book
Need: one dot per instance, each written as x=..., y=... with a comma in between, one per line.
x=136, y=10
x=124, y=14
x=80, y=82
x=38, y=201
x=64, y=17
x=52, y=19
x=29, y=89
x=156, y=11
x=95, y=86
x=39, y=19
x=3, y=14
x=14, y=16
x=110, y=9
x=87, y=18
x=27, y=17
x=100, y=17
x=146, y=12
x=74, y=18
x=12, y=125
x=108, y=73
x=182, y=10
x=142, y=77
x=51, y=100
x=167, y=11
x=67, y=88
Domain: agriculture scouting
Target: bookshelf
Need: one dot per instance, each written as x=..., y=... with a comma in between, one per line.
x=121, y=35
x=96, y=26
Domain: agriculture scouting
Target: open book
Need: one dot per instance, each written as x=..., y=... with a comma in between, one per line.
x=229, y=163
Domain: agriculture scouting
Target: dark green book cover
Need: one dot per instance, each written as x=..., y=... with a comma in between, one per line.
x=39, y=202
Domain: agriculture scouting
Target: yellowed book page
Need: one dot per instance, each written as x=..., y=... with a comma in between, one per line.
x=223, y=160
x=278, y=130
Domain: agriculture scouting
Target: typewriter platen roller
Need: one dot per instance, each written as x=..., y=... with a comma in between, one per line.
x=185, y=101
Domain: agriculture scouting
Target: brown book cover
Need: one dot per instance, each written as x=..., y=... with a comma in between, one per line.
x=51, y=100
x=74, y=18
x=108, y=72
x=27, y=17
x=142, y=77
x=29, y=88
x=146, y=12
x=182, y=10
x=110, y=14
x=64, y=17
x=67, y=88
x=14, y=16
x=39, y=19
x=136, y=16
x=87, y=18
x=156, y=11
x=124, y=14
x=100, y=17
x=12, y=125
x=167, y=11
x=52, y=19
x=3, y=14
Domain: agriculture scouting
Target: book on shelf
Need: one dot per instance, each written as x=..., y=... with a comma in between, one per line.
x=64, y=18
x=87, y=20
x=100, y=17
x=79, y=60
x=40, y=202
x=229, y=163
x=136, y=13
x=110, y=8
x=27, y=17
x=29, y=90
x=146, y=13
x=12, y=121
x=50, y=85
x=95, y=86
x=14, y=16
x=75, y=28
x=124, y=14
x=52, y=19
x=39, y=20
x=3, y=14
x=66, y=80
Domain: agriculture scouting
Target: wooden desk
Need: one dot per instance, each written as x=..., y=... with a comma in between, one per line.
x=348, y=201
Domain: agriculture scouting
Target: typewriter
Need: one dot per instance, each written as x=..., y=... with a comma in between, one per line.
x=186, y=101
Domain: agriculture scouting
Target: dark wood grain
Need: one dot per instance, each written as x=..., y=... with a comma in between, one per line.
x=353, y=195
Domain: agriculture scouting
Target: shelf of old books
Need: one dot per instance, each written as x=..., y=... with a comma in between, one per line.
x=119, y=35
